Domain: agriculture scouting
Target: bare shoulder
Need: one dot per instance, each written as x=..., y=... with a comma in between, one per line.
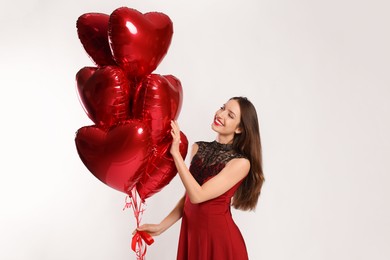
x=194, y=149
x=241, y=165
x=240, y=162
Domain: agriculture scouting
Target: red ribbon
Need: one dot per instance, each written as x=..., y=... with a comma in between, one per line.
x=140, y=237
x=137, y=239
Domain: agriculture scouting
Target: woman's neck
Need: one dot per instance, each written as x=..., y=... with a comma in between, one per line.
x=224, y=139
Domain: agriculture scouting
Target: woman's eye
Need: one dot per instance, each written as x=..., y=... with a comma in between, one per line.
x=231, y=116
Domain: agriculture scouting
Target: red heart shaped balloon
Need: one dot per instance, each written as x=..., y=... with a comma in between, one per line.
x=105, y=94
x=118, y=156
x=139, y=41
x=157, y=101
x=177, y=93
x=161, y=168
x=92, y=29
x=83, y=76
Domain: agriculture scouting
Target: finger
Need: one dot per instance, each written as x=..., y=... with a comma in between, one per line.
x=175, y=130
x=173, y=127
x=174, y=124
x=177, y=126
x=143, y=227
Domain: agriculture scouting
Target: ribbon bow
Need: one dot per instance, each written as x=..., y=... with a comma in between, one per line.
x=140, y=237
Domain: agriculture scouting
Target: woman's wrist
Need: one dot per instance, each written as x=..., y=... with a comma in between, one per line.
x=176, y=155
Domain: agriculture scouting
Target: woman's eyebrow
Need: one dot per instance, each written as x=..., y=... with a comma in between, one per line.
x=232, y=112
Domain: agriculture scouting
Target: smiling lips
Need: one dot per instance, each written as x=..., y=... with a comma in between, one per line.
x=217, y=122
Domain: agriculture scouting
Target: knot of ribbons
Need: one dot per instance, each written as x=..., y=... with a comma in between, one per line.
x=138, y=239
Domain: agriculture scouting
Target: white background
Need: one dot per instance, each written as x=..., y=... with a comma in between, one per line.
x=317, y=72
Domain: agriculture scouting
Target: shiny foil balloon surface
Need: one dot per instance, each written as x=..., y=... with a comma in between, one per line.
x=105, y=94
x=139, y=41
x=161, y=168
x=177, y=94
x=129, y=145
x=157, y=102
x=118, y=156
x=82, y=76
x=92, y=29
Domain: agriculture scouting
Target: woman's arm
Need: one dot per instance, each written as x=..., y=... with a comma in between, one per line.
x=234, y=171
x=167, y=222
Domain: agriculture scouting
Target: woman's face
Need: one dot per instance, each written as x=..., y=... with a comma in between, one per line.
x=227, y=119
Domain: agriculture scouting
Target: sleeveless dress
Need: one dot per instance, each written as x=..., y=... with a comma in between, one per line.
x=208, y=231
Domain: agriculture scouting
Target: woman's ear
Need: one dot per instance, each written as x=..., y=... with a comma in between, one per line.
x=238, y=130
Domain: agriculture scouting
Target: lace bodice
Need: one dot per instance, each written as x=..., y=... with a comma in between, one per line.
x=210, y=159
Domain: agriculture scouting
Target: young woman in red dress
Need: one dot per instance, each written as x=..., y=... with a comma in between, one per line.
x=225, y=172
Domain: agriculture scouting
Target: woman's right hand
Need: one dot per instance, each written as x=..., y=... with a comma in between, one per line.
x=151, y=229
x=175, y=132
x=168, y=221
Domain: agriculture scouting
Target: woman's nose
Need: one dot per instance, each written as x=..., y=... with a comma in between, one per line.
x=221, y=114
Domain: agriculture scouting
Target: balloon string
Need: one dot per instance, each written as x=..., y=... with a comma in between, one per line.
x=140, y=238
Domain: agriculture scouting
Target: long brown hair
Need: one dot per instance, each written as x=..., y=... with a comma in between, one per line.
x=248, y=143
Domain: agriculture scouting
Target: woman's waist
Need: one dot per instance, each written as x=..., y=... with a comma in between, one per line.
x=208, y=208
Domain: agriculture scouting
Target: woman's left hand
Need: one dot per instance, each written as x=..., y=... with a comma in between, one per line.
x=175, y=132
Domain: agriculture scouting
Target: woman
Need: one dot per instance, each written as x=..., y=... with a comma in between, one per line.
x=227, y=171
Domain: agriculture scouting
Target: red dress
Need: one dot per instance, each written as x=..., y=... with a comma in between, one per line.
x=208, y=231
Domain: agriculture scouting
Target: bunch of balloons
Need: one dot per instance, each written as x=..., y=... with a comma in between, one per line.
x=128, y=146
